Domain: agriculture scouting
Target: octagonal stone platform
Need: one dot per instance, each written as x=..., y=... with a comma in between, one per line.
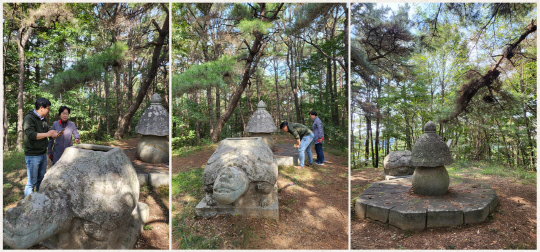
x=393, y=202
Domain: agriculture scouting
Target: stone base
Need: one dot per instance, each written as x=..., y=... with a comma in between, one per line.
x=153, y=149
x=286, y=155
x=271, y=211
x=267, y=138
x=390, y=177
x=393, y=202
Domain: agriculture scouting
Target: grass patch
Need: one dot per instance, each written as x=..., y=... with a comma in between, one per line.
x=187, y=187
x=337, y=152
x=14, y=165
x=470, y=168
x=188, y=150
x=14, y=160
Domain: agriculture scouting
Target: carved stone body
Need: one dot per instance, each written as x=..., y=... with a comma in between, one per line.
x=87, y=200
x=241, y=174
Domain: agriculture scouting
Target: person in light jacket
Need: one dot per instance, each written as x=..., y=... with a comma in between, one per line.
x=318, y=131
x=66, y=129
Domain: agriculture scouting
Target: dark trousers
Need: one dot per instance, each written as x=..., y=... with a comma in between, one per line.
x=320, y=155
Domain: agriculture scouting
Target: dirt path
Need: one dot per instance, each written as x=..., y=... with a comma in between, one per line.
x=512, y=226
x=313, y=211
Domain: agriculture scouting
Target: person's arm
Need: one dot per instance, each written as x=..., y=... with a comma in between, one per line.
x=30, y=131
x=76, y=134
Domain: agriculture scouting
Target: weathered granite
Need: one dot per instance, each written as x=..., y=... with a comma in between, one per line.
x=261, y=121
x=429, y=155
x=87, y=200
x=239, y=177
x=430, y=180
x=154, y=127
x=153, y=149
x=262, y=125
x=396, y=163
x=154, y=120
x=430, y=150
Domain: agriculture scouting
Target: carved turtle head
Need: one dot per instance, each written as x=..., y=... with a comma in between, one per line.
x=230, y=184
x=34, y=219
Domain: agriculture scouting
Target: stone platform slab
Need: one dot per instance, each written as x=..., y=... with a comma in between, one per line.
x=393, y=202
x=285, y=154
x=270, y=212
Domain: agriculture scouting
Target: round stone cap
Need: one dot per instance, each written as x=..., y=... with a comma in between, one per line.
x=430, y=127
x=430, y=150
x=156, y=99
x=154, y=120
x=261, y=121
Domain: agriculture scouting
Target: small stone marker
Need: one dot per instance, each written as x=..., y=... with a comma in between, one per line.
x=449, y=142
x=396, y=163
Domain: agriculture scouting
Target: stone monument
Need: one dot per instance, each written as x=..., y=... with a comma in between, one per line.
x=262, y=125
x=87, y=200
x=154, y=128
x=429, y=155
x=396, y=163
x=392, y=202
x=240, y=178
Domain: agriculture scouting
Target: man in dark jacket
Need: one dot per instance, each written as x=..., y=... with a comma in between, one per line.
x=318, y=131
x=36, y=133
x=304, y=138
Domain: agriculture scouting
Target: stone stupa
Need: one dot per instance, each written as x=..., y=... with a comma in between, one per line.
x=262, y=125
x=154, y=128
x=429, y=155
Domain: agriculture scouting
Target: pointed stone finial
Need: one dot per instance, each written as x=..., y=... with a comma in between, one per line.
x=261, y=105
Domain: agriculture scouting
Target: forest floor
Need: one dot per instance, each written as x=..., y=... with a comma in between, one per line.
x=155, y=234
x=511, y=226
x=313, y=212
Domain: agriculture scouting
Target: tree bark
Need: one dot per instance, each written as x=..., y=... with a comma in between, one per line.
x=22, y=37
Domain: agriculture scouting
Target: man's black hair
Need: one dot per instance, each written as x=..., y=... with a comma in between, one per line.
x=313, y=113
x=62, y=108
x=42, y=102
x=283, y=124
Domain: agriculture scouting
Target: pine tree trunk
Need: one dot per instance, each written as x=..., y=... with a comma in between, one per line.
x=22, y=37
x=152, y=72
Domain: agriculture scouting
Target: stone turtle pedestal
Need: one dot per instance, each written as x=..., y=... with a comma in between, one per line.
x=87, y=200
x=394, y=203
x=240, y=178
x=249, y=210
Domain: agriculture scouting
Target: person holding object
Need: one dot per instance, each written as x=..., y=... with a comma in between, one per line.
x=36, y=131
x=66, y=129
x=304, y=138
x=318, y=131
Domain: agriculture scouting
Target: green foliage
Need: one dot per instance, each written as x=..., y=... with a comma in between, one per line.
x=88, y=69
x=254, y=26
x=208, y=74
